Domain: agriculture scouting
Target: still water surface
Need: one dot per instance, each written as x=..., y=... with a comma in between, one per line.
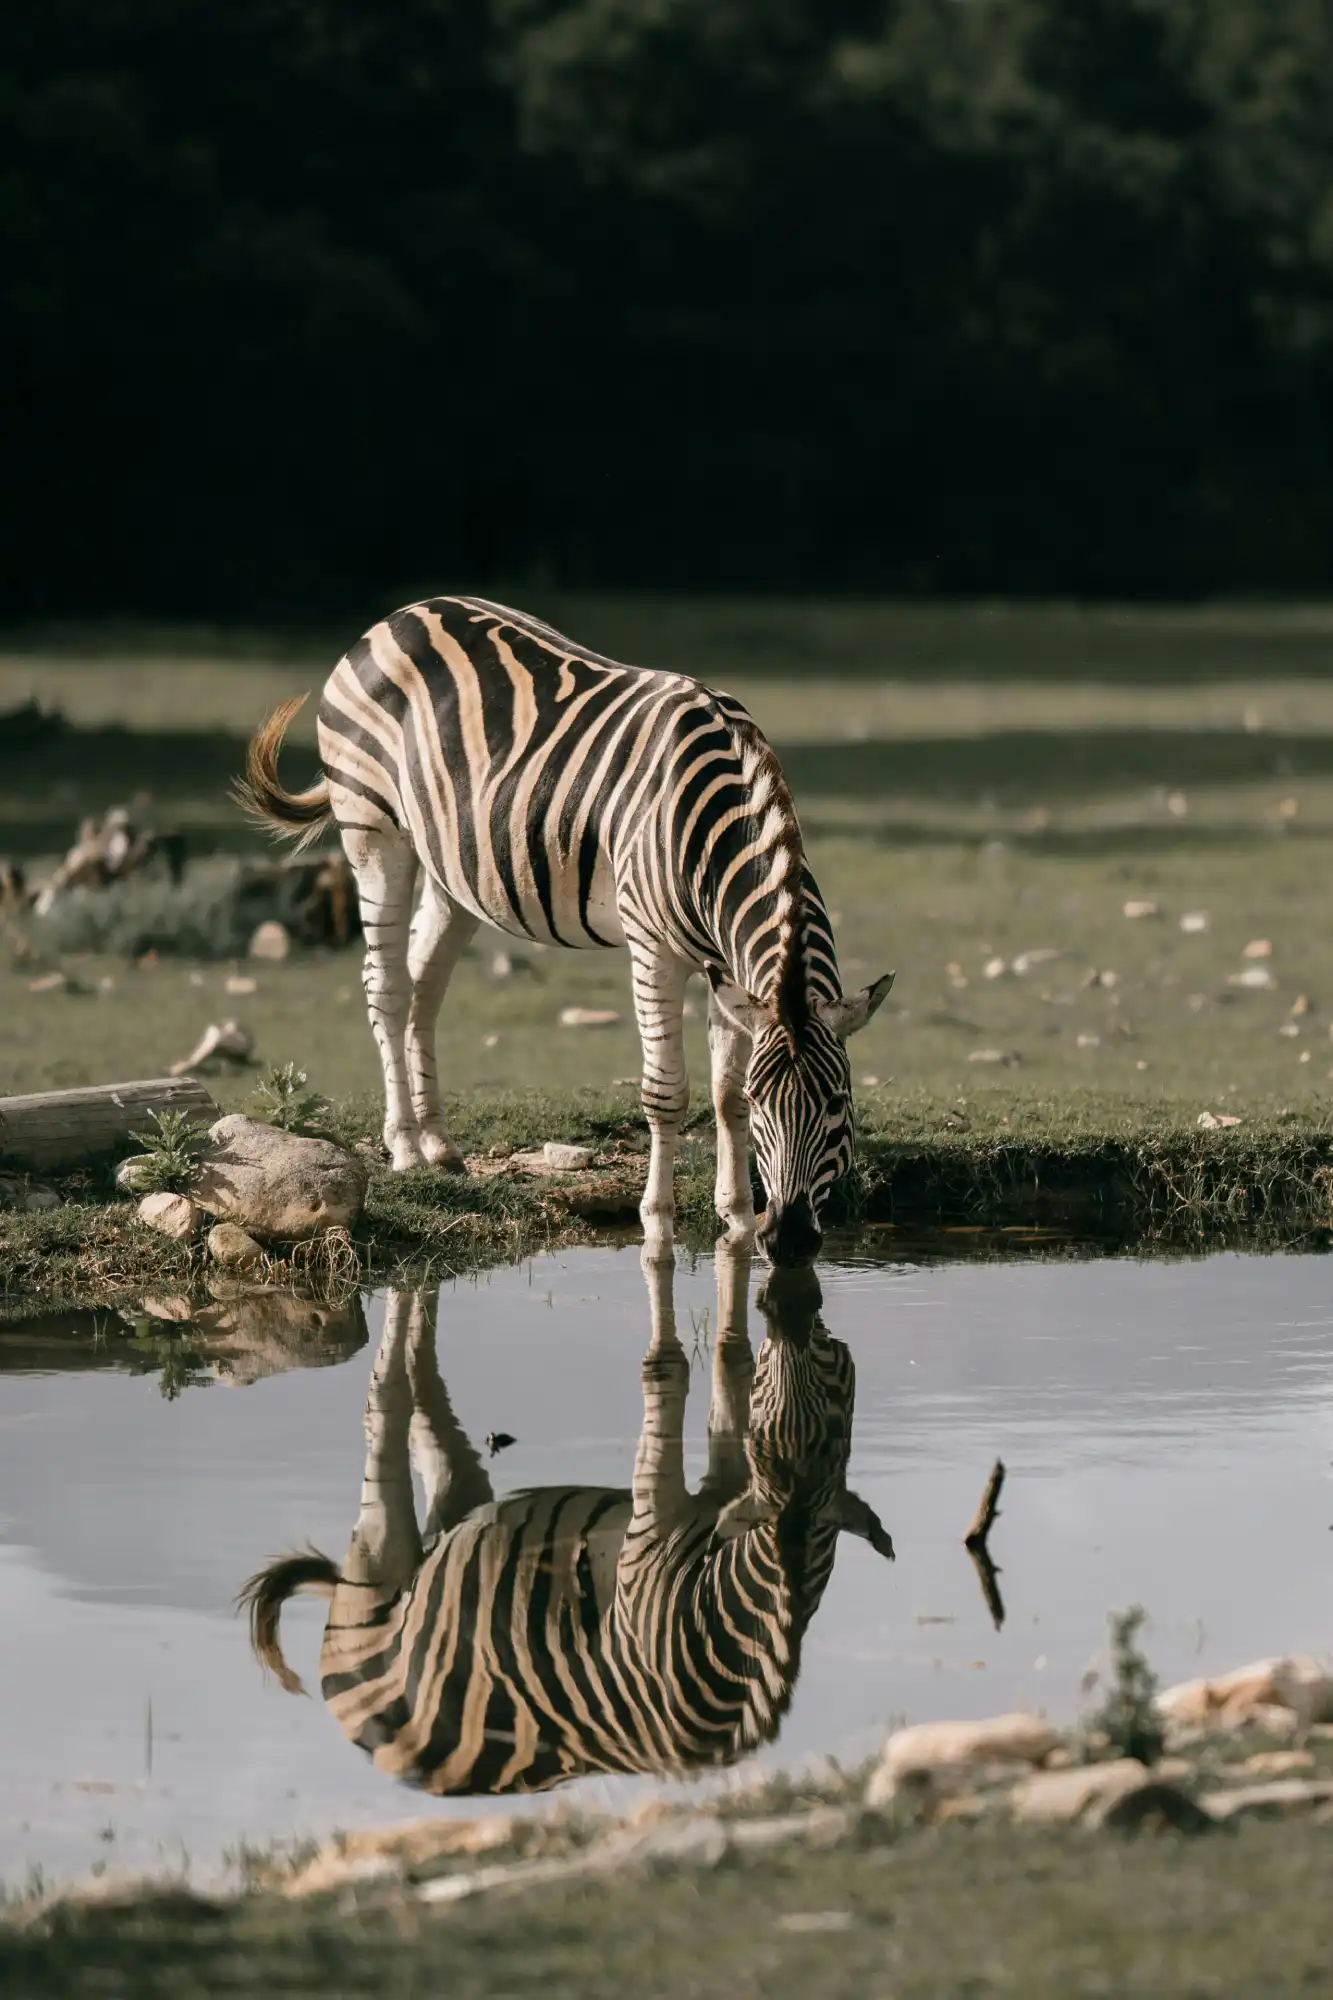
x=1168, y=1429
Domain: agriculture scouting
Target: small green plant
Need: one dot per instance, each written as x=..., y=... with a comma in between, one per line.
x=283, y=1100
x=1128, y=1717
x=179, y=1366
x=172, y=1154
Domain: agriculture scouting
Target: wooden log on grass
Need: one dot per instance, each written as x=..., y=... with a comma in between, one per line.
x=56, y=1130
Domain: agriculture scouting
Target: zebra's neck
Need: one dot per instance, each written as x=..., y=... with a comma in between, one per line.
x=757, y=903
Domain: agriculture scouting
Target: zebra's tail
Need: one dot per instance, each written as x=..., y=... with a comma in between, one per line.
x=264, y=1596
x=262, y=794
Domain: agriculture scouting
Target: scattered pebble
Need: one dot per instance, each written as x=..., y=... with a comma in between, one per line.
x=1177, y=805
x=1007, y=1056
x=1041, y=956
x=1194, y=921
x=50, y=982
x=1257, y=978
x=1258, y=948
x=1300, y=1005
x=1304, y=1055
x=567, y=1159
x=869, y=1083
x=1213, y=1121
x=1089, y=1041
x=1140, y=1065
x=1289, y=1029
x=588, y=1017
x=239, y=983
x=196, y=979
x=1140, y=907
x=994, y=968
x=490, y=1041
x=1286, y=809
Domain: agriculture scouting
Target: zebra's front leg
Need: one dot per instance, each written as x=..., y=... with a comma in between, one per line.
x=733, y=1379
x=441, y=929
x=386, y=1543
x=385, y=866
x=659, y=1490
x=659, y=1001
x=729, y=1052
x=451, y=1470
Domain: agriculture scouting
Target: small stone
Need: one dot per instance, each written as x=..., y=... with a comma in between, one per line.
x=1071, y=1794
x=1258, y=948
x=173, y=1308
x=588, y=1017
x=933, y=1747
x=994, y=968
x=1254, y=979
x=1026, y=960
x=50, y=982
x=567, y=1159
x=490, y=1041
x=1283, y=1797
x=173, y=1215
x=1276, y=1763
x=234, y=1247
x=1193, y=922
x=1300, y=1005
x=1089, y=1041
x=1140, y=907
x=270, y=940
x=1289, y=1030
x=1006, y=1056
x=39, y=1199
x=1213, y=1121
x=239, y=982
x=1177, y=805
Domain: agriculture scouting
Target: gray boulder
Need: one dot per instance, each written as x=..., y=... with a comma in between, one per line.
x=276, y=1185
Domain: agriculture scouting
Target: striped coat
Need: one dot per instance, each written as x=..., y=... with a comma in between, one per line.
x=574, y=800
x=567, y=1630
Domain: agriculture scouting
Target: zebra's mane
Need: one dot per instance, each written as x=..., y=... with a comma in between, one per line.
x=775, y=808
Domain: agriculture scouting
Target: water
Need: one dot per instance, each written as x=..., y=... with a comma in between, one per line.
x=1168, y=1429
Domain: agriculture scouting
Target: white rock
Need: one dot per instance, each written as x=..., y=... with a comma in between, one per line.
x=931, y=1747
x=1255, y=979
x=1141, y=907
x=994, y=968
x=1295, y=1683
x=1214, y=1121
x=1281, y=1797
x=1066, y=1795
x=1194, y=921
x=228, y=1244
x=130, y=1173
x=277, y=1185
x=173, y=1215
x=270, y=940
x=1258, y=948
x=567, y=1159
x=1026, y=960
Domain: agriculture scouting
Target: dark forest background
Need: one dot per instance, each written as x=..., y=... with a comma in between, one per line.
x=308, y=303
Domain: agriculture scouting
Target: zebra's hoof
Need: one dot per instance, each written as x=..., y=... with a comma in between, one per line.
x=442, y=1154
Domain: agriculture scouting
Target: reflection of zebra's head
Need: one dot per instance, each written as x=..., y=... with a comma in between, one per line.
x=800, y=1438
x=799, y=1084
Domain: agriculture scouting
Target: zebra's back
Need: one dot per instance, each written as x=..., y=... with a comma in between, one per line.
x=513, y=758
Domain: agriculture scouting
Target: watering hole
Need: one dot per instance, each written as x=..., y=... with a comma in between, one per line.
x=1167, y=1428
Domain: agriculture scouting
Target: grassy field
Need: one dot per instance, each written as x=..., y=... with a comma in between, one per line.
x=984, y=791
x=950, y=1912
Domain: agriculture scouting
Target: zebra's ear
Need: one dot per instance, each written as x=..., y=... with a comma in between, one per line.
x=743, y=1011
x=740, y=1515
x=856, y=1518
x=845, y=1017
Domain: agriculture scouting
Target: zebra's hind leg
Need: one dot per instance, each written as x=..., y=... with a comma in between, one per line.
x=385, y=866
x=659, y=1000
x=441, y=929
x=386, y=1545
x=729, y=1052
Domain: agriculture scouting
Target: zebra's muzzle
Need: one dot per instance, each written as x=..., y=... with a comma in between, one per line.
x=790, y=1235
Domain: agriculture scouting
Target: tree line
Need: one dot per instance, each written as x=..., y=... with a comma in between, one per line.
x=304, y=303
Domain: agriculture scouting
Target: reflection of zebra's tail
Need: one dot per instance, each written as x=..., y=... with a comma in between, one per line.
x=264, y=1596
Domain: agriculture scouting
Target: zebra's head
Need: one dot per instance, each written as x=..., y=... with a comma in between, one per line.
x=799, y=1086
x=799, y=1437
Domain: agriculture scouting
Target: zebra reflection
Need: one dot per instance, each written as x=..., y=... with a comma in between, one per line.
x=510, y=1645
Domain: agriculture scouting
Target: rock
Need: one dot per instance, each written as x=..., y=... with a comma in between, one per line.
x=130, y=1173
x=270, y=940
x=1256, y=978
x=932, y=1747
x=1006, y=1056
x=588, y=1017
x=1258, y=948
x=25, y=1196
x=1276, y=1763
x=280, y=1187
x=173, y=1215
x=567, y=1159
x=1216, y=1121
x=1284, y=1796
x=230, y=1245
x=1193, y=922
x=253, y=1331
x=173, y=1308
x=1141, y=907
x=239, y=983
x=1123, y=1793
x=1296, y=1686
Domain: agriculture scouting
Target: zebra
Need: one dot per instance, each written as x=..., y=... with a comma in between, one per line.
x=522, y=1642
x=568, y=798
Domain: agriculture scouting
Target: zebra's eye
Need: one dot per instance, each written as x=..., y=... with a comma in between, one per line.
x=836, y=1107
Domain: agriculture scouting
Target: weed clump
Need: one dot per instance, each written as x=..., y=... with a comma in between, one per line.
x=172, y=1155
x=282, y=1099
x=1128, y=1720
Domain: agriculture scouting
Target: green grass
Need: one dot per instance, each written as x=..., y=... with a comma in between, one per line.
x=955, y=1912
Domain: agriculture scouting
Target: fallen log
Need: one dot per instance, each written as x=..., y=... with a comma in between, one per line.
x=56, y=1130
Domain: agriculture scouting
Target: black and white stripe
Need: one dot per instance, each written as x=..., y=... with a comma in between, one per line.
x=573, y=800
x=569, y=1629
